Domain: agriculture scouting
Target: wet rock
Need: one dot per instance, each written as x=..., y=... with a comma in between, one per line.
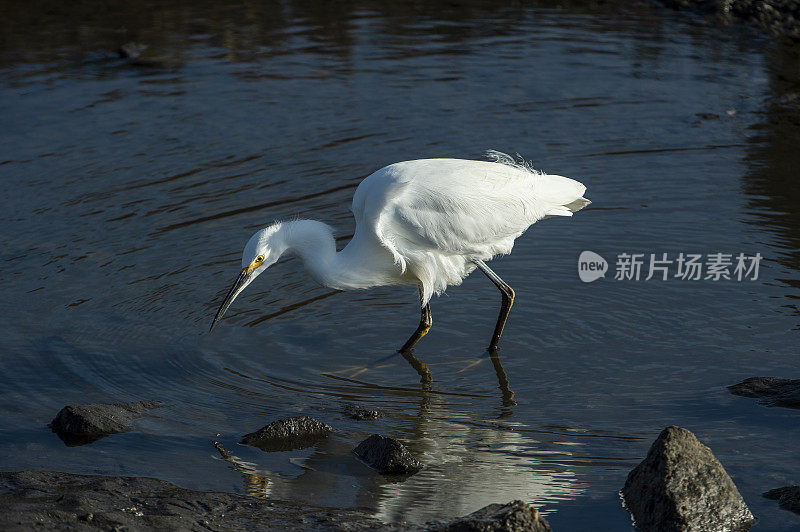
x=131, y=50
x=137, y=55
x=778, y=17
x=681, y=486
x=82, y=424
x=288, y=434
x=788, y=497
x=361, y=414
x=46, y=500
x=772, y=391
x=512, y=517
x=387, y=456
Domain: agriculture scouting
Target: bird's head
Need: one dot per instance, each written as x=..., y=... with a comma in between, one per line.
x=262, y=251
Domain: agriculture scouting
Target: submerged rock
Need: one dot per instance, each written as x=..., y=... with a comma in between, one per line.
x=512, y=517
x=387, y=456
x=82, y=424
x=772, y=391
x=288, y=434
x=681, y=486
x=361, y=414
x=788, y=497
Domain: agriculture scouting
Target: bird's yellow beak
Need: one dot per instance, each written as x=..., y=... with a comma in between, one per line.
x=249, y=269
x=239, y=284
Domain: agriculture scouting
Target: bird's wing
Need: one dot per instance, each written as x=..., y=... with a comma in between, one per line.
x=453, y=206
x=435, y=215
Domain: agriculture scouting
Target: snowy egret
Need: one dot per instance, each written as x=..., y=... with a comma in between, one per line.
x=428, y=222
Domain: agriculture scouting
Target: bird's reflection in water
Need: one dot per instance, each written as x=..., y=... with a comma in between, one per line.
x=256, y=482
x=503, y=383
x=470, y=459
x=426, y=376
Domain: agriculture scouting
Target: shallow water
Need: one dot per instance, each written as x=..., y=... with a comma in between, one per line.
x=130, y=189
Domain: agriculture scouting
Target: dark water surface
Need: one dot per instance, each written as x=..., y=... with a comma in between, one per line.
x=129, y=191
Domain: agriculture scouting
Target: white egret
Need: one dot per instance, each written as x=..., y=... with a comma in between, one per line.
x=428, y=222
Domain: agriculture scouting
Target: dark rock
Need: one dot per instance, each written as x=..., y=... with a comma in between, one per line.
x=361, y=414
x=778, y=17
x=45, y=500
x=788, y=497
x=387, y=455
x=288, y=434
x=131, y=50
x=772, y=391
x=682, y=486
x=82, y=424
x=512, y=517
x=137, y=55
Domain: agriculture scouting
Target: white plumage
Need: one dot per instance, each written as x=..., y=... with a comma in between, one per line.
x=436, y=215
x=425, y=222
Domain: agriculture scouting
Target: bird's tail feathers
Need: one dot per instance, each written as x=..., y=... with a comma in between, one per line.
x=578, y=204
x=564, y=195
x=569, y=208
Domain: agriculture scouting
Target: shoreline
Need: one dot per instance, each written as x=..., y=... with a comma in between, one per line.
x=51, y=500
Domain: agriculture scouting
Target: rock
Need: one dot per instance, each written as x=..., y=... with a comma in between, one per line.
x=511, y=517
x=387, y=455
x=46, y=500
x=361, y=414
x=137, y=55
x=681, y=486
x=131, y=50
x=288, y=434
x=778, y=17
x=772, y=391
x=788, y=497
x=82, y=424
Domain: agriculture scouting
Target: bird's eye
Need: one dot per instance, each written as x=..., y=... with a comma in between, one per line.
x=260, y=258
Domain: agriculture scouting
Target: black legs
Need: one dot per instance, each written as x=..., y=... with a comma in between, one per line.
x=425, y=322
x=508, y=300
x=507, y=292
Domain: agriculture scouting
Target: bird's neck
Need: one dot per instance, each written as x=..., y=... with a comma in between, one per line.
x=313, y=242
x=361, y=264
